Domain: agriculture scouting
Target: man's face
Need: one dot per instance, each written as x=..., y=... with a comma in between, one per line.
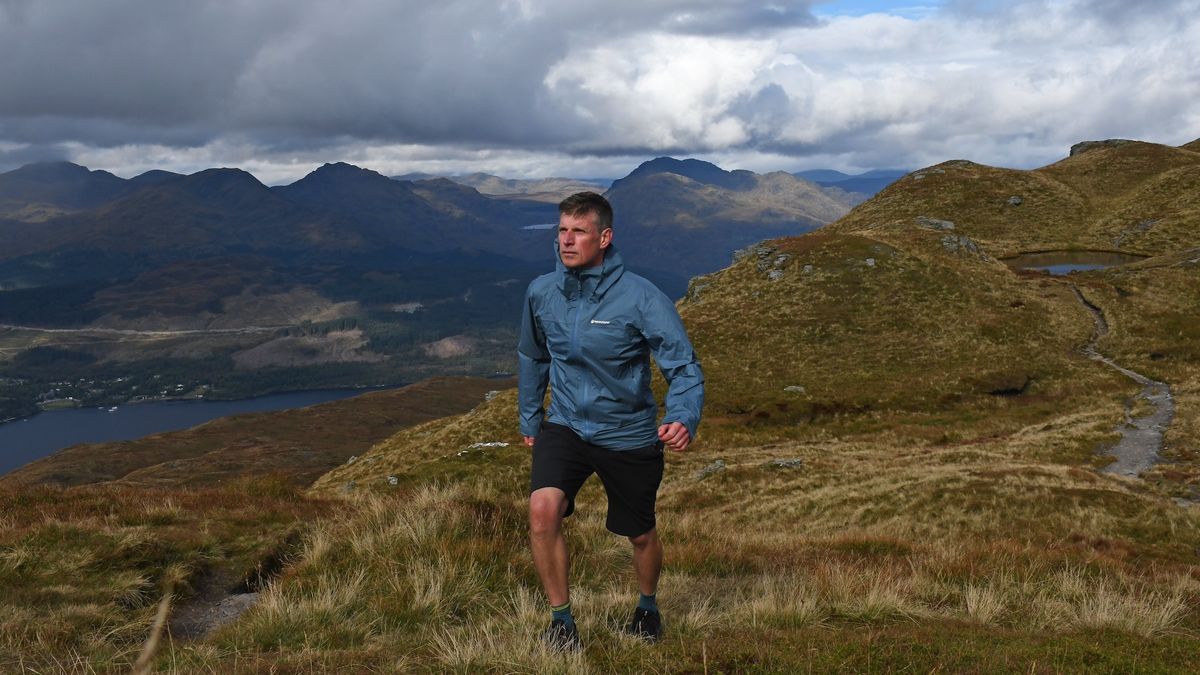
x=580, y=244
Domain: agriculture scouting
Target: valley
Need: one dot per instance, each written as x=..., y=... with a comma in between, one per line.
x=343, y=278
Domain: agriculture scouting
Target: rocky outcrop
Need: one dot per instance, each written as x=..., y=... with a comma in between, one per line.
x=1085, y=146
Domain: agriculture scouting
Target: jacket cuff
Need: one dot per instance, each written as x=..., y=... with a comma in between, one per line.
x=531, y=428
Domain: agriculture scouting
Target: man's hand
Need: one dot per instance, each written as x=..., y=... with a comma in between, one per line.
x=529, y=441
x=675, y=435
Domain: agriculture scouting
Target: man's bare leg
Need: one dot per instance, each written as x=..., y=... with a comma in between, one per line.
x=546, y=541
x=647, y=560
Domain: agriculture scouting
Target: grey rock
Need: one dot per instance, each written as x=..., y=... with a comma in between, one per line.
x=198, y=617
x=393, y=480
x=491, y=395
x=919, y=175
x=1015, y=200
x=1086, y=146
x=959, y=244
x=870, y=262
x=353, y=459
x=716, y=467
x=696, y=288
x=1140, y=227
x=934, y=223
x=795, y=388
x=808, y=269
x=793, y=463
x=775, y=275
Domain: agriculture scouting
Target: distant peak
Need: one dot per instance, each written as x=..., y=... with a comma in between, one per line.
x=679, y=166
x=340, y=166
x=224, y=177
x=53, y=170
x=341, y=171
x=155, y=177
x=695, y=169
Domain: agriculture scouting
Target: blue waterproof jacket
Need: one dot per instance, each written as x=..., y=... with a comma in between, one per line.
x=589, y=334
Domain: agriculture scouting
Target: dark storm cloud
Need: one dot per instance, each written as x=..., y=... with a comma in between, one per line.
x=28, y=154
x=531, y=85
x=457, y=71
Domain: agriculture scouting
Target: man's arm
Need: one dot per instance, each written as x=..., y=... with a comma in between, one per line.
x=533, y=372
x=677, y=361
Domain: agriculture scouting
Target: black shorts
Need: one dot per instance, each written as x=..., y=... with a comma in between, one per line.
x=563, y=460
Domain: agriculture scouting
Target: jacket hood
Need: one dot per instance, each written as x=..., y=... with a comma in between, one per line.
x=569, y=281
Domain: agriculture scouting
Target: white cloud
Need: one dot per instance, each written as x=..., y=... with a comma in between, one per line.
x=661, y=92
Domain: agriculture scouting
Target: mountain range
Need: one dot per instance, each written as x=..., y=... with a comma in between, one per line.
x=552, y=190
x=868, y=183
x=345, y=276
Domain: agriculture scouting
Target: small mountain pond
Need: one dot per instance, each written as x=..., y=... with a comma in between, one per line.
x=1065, y=262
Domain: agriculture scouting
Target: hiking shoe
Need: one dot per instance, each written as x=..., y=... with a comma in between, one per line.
x=646, y=624
x=561, y=636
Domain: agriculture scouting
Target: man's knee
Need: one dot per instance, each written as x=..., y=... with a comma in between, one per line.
x=546, y=507
x=645, y=539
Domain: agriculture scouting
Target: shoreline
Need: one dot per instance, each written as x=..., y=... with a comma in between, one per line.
x=169, y=399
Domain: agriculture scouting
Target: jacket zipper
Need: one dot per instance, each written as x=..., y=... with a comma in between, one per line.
x=579, y=354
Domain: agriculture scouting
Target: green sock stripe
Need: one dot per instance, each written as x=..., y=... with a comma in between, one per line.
x=561, y=608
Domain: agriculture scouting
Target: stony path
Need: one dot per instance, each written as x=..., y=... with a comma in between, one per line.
x=1141, y=437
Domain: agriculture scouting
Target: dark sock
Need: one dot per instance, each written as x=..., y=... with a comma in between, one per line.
x=563, y=612
x=647, y=602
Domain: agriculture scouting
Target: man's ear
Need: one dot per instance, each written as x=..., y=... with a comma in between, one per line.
x=605, y=237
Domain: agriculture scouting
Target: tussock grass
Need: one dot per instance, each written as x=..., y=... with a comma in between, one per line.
x=425, y=579
x=82, y=569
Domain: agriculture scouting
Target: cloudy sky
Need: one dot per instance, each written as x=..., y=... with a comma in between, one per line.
x=588, y=89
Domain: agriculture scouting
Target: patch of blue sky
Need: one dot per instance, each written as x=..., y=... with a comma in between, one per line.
x=909, y=9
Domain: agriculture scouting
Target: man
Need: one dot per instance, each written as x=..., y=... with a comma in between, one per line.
x=588, y=330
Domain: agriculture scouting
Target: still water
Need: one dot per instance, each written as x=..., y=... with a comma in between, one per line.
x=25, y=440
x=1065, y=262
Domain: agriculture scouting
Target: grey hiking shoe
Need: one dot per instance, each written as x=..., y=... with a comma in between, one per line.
x=646, y=624
x=561, y=636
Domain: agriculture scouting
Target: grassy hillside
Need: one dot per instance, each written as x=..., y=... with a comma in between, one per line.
x=910, y=442
x=1134, y=197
